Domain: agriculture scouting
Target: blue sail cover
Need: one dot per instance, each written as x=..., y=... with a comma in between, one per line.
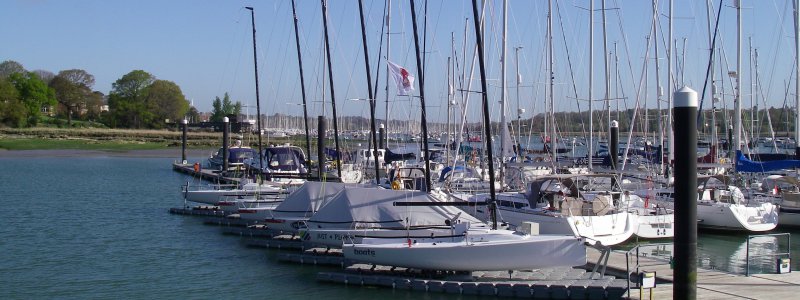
x=748, y=166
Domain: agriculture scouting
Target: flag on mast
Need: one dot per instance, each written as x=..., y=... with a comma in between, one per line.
x=403, y=79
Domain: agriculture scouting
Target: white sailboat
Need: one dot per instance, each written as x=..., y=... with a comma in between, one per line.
x=485, y=250
x=570, y=204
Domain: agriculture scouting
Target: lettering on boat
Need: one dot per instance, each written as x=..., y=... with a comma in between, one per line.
x=367, y=252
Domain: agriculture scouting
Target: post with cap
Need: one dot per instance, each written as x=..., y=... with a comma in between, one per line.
x=185, y=124
x=685, y=172
x=613, y=145
x=226, y=129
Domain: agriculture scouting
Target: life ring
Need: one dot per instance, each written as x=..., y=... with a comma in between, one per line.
x=395, y=185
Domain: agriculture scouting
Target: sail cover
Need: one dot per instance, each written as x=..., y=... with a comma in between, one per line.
x=374, y=208
x=308, y=199
x=748, y=166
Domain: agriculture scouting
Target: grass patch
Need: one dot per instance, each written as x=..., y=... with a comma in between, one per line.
x=53, y=144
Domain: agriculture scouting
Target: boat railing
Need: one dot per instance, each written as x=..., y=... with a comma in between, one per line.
x=651, y=256
x=777, y=254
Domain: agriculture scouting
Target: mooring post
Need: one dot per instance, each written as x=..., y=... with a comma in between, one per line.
x=185, y=124
x=613, y=144
x=685, y=171
x=382, y=135
x=225, y=131
x=321, y=146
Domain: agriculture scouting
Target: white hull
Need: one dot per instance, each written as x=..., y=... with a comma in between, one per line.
x=655, y=226
x=213, y=196
x=489, y=253
x=610, y=229
x=737, y=217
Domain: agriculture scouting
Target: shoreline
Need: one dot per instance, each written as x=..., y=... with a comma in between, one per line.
x=155, y=153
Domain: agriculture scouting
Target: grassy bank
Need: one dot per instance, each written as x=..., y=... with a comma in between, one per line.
x=100, y=139
x=47, y=138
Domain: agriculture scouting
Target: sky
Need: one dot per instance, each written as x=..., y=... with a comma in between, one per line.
x=206, y=48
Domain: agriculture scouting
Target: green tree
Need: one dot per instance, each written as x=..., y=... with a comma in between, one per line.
x=166, y=101
x=34, y=93
x=73, y=89
x=10, y=67
x=127, y=100
x=12, y=110
x=224, y=107
x=193, y=115
x=216, y=112
x=94, y=103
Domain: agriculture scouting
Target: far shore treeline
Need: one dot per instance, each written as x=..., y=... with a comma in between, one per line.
x=139, y=100
x=66, y=99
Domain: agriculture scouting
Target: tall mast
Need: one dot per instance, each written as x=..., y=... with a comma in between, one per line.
x=713, y=85
x=518, y=79
x=388, y=50
x=370, y=94
x=302, y=82
x=423, y=118
x=670, y=88
x=591, y=73
x=796, y=5
x=258, y=100
x=737, y=103
x=503, y=57
x=659, y=89
x=607, y=72
x=333, y=95
x=486, y=120
x=552, y=74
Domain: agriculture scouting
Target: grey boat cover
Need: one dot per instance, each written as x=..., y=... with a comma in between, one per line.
x=374, y=208
x=307, y=199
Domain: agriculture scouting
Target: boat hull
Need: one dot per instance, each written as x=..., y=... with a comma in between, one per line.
x=737, y=217
x=473, y=253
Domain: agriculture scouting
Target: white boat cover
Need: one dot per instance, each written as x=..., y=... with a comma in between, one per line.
x=374, y=208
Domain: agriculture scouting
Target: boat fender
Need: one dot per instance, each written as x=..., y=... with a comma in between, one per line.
x=197, y=167
x=395, y=185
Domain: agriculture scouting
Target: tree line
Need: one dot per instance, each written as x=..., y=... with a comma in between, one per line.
x=136, y=100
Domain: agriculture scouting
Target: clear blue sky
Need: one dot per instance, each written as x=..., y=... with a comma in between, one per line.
x=205, y=47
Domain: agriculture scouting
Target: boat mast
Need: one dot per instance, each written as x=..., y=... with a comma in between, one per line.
x=302, y=82
x=333, y=95
x=388, y=73
x=503, y=121
x=370, y=94
x=591, y=73
x=659, y=90
x=713, y=85
x=796, y=5
x=552, y=74
x=669, y=133
x=518, y=79
x=737, y=120
x=258, y=100
x=607, y=74
x=423, y=118
x=487, y=128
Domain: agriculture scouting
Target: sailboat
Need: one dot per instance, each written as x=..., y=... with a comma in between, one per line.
x=461, y=242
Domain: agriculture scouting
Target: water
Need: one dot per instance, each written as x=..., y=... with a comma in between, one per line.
x=98, y=227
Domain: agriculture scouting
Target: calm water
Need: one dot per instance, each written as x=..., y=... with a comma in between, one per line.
x=98, y=227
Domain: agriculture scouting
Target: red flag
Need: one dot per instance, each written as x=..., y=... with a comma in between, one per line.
x=403, y=79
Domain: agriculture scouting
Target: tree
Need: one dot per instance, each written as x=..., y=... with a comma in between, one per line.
x=216, y=112
x=94, y=104
x=34, y=93
x=45, y=75
x=12, y=110
x=73, y=89
x=127, y=100
x=10, y=67
x=166, y=102
x=225, y=107
x=193, y=115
